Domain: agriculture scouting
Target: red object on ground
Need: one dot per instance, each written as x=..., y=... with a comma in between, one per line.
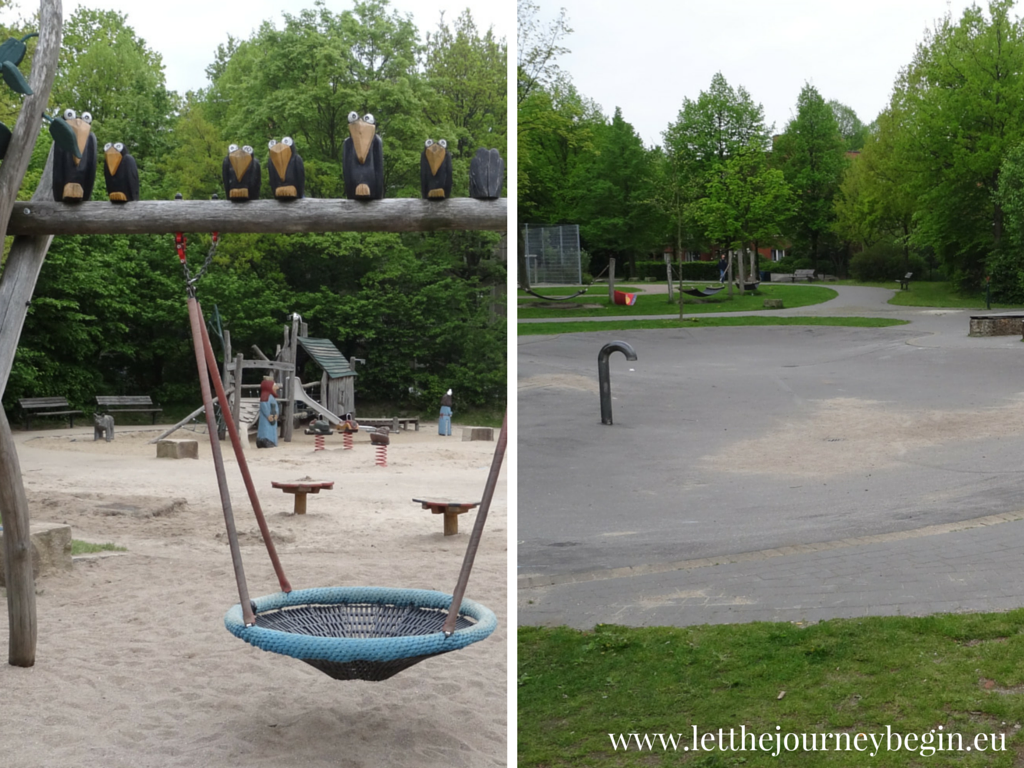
x=626, y=299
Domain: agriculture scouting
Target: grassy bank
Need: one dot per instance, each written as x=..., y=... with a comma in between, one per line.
x=549, y=329
x=960, y=672
x=658, y=303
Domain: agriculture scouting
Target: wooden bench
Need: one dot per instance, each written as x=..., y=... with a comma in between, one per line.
x=113, y=404
x=300, y=488
x=394, y=423
x=47, y=406
x=905, y=281
x=803, y=274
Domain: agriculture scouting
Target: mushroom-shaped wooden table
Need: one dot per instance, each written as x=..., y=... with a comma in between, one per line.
x=300, y=488
x=451, y=511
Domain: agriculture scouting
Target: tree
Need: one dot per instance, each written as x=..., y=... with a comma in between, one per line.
x=720, y=124
x=963, y=95
x=537, y=48
x=853, y=131
x=811, y=155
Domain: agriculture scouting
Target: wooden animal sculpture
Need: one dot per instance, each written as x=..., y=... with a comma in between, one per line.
x=73, y=177
x=241, y=171
x=436, y=171
x=286, y=170
x=120, y=173
x=103, y=426
x=362, y=159
x=486, y=174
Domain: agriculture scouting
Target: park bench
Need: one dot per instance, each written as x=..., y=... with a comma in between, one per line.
x=47, y=406
x=905, y=281
x=394, y=424
x=803, y=274
x=114, y=404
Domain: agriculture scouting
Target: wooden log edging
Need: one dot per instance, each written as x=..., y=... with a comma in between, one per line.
x=260, y=216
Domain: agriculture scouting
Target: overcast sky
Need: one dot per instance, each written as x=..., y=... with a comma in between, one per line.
x=187, y=32
x=645, y=56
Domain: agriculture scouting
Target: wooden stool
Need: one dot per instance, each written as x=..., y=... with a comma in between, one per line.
x=451, y=511
x=300, y=488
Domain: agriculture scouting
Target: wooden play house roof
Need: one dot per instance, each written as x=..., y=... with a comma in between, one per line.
x=327, y=356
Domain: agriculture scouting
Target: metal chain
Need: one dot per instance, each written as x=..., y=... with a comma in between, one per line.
x=180, y=243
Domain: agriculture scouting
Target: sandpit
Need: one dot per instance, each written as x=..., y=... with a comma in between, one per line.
x=134, y=666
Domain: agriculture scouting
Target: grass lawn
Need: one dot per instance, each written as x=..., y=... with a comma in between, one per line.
x=960, y=672
x=549, y=329
x=933, y=294
x=86, y=548
x=658, y=304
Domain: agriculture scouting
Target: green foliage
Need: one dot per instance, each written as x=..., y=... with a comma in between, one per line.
x=426, y=311
x=811, y=154
x=690, y=271
x=884, y=261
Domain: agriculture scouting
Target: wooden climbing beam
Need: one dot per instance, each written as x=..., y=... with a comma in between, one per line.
x=158, y=217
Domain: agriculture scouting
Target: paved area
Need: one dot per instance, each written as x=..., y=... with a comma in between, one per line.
x=772, y=473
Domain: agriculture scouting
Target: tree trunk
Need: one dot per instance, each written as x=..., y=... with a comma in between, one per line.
x=740, y=263
x=17, y=284
x=728, y=273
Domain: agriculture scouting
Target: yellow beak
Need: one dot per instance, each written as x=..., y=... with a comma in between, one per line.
x=435, y=156
x=82, y=131
x=240, y=161
x=113, y=158
x=280, y=154
x=362, y=138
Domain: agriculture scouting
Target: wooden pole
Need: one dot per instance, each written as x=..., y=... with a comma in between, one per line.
x=289, y=388
x=236, y=405
x=267, y=216
x=611, y=280
x=17, y=283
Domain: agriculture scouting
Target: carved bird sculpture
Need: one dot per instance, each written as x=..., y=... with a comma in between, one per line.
x=73, y=177
x=436, y=171
x=120, y=173
x=241, y=171
x=486, y=174
x=362, y=159
x=286, y=170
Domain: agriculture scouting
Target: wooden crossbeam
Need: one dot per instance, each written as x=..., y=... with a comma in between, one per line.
x=296, y=217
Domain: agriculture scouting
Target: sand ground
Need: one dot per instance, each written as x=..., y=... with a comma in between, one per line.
x=134, y=666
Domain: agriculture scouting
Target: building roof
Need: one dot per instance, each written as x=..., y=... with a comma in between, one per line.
x=327, y=356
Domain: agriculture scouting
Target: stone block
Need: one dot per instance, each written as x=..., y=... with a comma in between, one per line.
x=477, y=433
x=773, y=303
x=177, y=449
x=51, y=549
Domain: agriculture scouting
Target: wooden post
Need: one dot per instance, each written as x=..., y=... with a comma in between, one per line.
x=611, y=280
x=739, y=262
x=17, y=283
x=236, y=404
x=668, y=274
x=289, y=388
x=227, y=358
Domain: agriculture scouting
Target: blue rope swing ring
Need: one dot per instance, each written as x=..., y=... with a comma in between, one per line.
x=360, y=633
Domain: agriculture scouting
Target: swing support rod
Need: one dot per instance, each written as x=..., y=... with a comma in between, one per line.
x=478, y=529
x=236, y=443
x=218, y=459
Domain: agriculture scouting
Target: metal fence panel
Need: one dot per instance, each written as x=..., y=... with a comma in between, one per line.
x=553, y=254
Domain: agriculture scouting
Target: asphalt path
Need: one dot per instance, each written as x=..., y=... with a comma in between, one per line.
x=745, y=462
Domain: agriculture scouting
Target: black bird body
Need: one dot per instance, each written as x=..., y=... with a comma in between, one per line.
x=362, y=160
x=286, y=170
x=73, y=178
x=241, y=172
x=120, y=173
x=436, y=171
x=486, y=174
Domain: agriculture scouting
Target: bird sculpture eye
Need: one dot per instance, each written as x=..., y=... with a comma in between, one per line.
x=430, y=142
x=272, y=144
x=443, y=143
x=107, y=146
x=87, y=117
x=232, y=147
x=368, y=119
x=70, y=114
x=247, y=149
x=119, y=147
x=353, y=116
x=287, y=141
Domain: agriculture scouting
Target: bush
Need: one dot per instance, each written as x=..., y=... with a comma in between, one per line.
x=696, y=271
x=884, y=262
x=1007, y=274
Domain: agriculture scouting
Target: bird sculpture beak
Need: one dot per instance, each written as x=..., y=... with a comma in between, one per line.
x=82, y=130
x=240, y=160
x=435, y=156
x=362, y=137
x=280, y=154
x=113, y=158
